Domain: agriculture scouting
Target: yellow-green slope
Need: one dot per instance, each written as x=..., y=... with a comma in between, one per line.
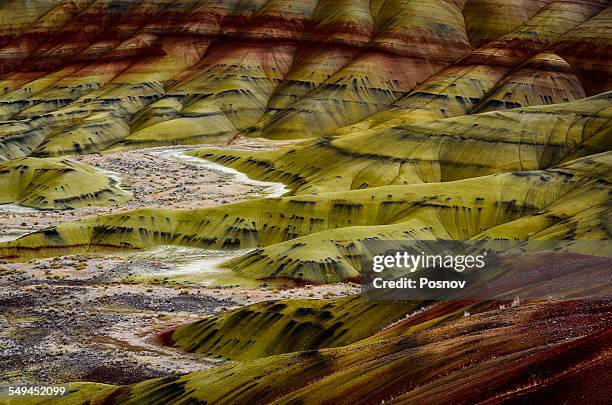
x=57, y=184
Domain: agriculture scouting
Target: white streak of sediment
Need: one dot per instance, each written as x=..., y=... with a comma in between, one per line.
x=16, y=209
x=273, y=189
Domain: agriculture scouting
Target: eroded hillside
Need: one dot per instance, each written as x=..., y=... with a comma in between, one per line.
x=128, y=129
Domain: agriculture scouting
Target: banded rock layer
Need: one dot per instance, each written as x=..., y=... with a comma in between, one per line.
x=470, y=146
x=86, y=75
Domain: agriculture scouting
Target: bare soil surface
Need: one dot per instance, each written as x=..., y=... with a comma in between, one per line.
x=75, y=318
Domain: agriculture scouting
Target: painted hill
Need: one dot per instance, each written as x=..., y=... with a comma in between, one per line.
x=288, y=326
x=443, y=150
x=57, y=184
x=83, y=76
x=412, y=361
x=412, y=120
x=309, y=236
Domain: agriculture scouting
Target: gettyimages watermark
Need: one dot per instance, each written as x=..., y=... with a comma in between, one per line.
x=486, y=270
